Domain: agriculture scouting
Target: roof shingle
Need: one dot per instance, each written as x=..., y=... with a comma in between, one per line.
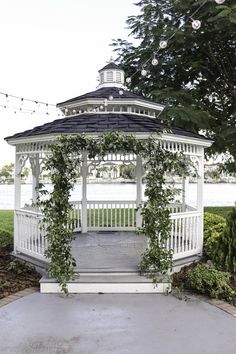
x=105, y=92
x=102, y=122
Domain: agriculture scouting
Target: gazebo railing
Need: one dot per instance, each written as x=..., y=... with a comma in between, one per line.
x=109, y=215
x=31, y=234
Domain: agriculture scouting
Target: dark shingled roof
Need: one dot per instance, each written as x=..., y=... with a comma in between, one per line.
x=110, y=66
x=102, y=122
x=105, y=92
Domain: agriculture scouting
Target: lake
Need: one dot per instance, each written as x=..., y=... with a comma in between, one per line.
x=222, y=194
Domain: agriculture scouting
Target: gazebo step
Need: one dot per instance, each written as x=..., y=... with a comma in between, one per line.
x=107, y=284
x=39, y=265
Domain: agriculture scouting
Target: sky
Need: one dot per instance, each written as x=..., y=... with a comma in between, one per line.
x=51, y=50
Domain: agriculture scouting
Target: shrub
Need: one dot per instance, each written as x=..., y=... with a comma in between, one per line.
x=225, y=254
x=6, y=238
x=206, y=279
x=19, y=267
x=213, y=227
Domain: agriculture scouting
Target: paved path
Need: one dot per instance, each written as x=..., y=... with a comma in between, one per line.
x=117, y=324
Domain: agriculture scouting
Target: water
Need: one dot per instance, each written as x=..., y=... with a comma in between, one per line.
x=223, y=194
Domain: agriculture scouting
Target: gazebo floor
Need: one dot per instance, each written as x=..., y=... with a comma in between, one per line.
x=108, y=252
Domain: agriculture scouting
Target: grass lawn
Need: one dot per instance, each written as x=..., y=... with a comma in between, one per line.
x=6, y=220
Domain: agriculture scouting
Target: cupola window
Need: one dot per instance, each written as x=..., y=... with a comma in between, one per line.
x=118, y=76
x=110, y=76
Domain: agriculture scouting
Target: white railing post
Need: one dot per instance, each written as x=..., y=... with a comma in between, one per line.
x=17, y=199
x=84, y=171
x=139, y=190
x=200, y=186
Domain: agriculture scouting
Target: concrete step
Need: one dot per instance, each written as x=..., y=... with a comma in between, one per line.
x=180, y=263
x=39, y=265
x=109, y=283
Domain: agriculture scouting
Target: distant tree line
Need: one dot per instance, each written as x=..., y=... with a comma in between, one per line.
x=7, y=174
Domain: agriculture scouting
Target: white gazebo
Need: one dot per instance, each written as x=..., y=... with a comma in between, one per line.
x=110, y=107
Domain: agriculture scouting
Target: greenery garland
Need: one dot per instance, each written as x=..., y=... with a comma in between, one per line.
x=64, y=163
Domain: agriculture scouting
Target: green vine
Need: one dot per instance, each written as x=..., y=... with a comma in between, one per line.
x=64, y=163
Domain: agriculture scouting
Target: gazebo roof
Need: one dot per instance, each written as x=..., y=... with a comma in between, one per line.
x=110, y=66
x=104, y=93
x=102, y=122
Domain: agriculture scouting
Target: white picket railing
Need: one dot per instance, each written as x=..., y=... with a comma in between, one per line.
x=76, y=215
x=185, y=237
x=111, y=215
x=185, y=240
x=30, y=233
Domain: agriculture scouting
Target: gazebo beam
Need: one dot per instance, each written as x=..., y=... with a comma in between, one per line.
x=17, y=197
x=84, y=172
x=35, y=167
x=138, y=190
x=200, y=186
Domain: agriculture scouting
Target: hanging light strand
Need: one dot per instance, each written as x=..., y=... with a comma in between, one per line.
x=196, y=24
x=19, y=104
x=7, y=95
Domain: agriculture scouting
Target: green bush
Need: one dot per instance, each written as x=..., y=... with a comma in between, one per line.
x=206, y=279
x=225, y=255
x=213, y=227
x=6, y=238
x=19, y=267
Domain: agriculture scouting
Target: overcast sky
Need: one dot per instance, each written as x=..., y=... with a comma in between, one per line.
x=51, y=50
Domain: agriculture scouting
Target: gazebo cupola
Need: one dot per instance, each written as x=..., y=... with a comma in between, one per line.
x=111, y=96
x=111, y=75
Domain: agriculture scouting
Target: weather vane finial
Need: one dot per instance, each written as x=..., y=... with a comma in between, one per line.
x=110, y=60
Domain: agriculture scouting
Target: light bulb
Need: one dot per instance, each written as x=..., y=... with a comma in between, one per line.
x=163, y=44
x=219, y=2
x=74, y=111
x=121, y=92
x=128, y=80
x=154, y=61
x=196, y=24
x=144, y=72
x=110, y=98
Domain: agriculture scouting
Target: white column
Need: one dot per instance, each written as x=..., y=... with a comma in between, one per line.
x=84, y=171
x=138, y=190
x=35, y=167
x=200, y=186
x=17, y=199
x=185, y=191
x=183, y=194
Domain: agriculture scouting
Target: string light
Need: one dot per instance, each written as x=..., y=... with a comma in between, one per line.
x=154, y=60
x=163, y=44
x=144, y=72
x=19, y=104
x=196, y=25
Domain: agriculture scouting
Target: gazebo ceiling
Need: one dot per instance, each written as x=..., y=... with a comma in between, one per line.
x=102, y=122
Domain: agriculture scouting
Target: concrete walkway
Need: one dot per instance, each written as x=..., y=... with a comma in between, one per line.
x=117, y=324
